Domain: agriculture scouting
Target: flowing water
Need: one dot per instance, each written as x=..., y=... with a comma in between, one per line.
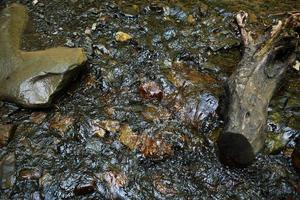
x=141, y=121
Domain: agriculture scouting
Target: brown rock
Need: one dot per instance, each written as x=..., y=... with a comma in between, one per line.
x=6, y=131
x=191, y=19
x=164, y=186
x=152, y=147
x=150, y=90
x=115, y=179
x=122, y=37
x=110, y=125
x=155, y=148
x=152, y=113
x=61, y=123
x=128, y=137
x=38, y=117
x=29, y=173
x=85, y=188
x=97, y=130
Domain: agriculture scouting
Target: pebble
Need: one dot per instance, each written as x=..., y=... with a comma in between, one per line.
x=34, y=2
x=88, y=31
x=296, y=66
x=94, y=26
x=122, y=37
x=191, y=19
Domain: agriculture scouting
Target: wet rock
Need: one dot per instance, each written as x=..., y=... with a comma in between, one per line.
x=102, y=49
x=70, y=43
x=7, y=171
x=88, y=31
x=154, y=147
x=296, y=66
x=122, y=37
x=97, y=130
x=45, y=180
x=296, y=156
x=182, y=74
x=164, y=186
x=32, y=79
x=88, y=47
x=130, y=11
x=169, y=34
x=150, y=90
x=86, y=187
x=61, y=123
x=197, y=109
x=128, y=137
x=151, y=147
x=36, y=195
x=203, y=9
x=278, y=139
x=30, y=173
x=90, y=81
x=6, y=130
x=109, y=125
x=177, y=13
x=116, y=181
x=152, y=113
x=38, y=117
x=274, y=143
x=191, y=19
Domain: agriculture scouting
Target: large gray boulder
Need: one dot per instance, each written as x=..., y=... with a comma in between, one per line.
x=31, y=79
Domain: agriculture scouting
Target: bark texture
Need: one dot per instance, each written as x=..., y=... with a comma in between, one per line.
x=251, y=87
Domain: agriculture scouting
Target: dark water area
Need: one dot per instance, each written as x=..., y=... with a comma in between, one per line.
x=142, y=119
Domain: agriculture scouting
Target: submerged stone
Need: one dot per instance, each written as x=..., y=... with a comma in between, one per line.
x=150, y=90
x=7, y=171
x=29, y=174
x=6, y=130
x=122, y=37
x=296, y=156
x=31, y=79
x=85, y=187
x=116, y=181
x=154, y=148
x=61, y=123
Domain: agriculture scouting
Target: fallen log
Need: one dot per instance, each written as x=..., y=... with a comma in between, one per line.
x=251, y=87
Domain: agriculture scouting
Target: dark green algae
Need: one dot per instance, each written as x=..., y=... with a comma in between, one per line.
x=108, y=90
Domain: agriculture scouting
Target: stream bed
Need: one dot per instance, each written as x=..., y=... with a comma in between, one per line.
x=142, y=119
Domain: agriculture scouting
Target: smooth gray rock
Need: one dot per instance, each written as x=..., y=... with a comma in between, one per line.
x=31, y=79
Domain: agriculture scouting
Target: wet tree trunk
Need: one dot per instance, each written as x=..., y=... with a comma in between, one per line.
x=251, y=87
